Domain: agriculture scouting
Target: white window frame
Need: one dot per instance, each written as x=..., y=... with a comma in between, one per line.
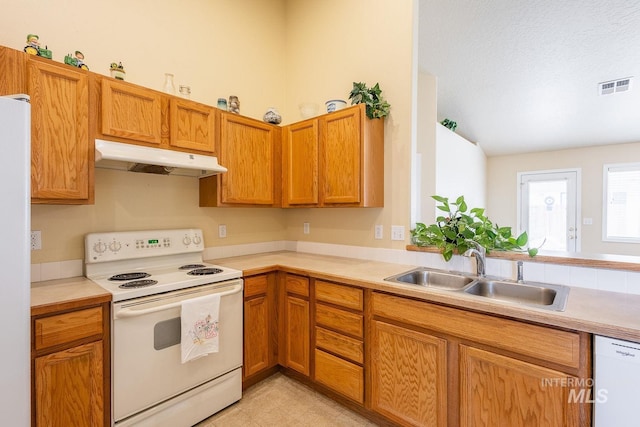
x=605, y=199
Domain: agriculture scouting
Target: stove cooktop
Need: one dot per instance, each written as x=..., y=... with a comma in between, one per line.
x=142, y=263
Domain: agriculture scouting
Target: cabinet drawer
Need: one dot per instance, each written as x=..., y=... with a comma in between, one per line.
x=67, y=327
x=340, y=320
x=256, y=285
x=341, y=345
x=344, y=296
x=297, y=285
x=340, y=375
x=544, y=343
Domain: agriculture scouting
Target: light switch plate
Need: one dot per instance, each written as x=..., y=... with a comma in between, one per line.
x=305, y=228
x=397, y=232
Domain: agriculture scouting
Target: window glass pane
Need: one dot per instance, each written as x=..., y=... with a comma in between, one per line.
x=623, y=202
x=548, y=214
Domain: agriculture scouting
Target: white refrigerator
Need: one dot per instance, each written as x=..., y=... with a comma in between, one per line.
x=15, y=259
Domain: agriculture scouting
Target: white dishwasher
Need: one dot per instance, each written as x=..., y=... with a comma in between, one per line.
x=617, y=380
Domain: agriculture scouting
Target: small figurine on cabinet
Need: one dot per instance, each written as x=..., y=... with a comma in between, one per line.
x=33, y=47
x=117, y=71
x=77, y=60
x=234, y=104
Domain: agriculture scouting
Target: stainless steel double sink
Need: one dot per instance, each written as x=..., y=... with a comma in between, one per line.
x=539, y=295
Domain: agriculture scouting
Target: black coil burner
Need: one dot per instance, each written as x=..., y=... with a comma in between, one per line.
x=129, y=276
x=138, y=284
x=205, y=271
x=191, y=266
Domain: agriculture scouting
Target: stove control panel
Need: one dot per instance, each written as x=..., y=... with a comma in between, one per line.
x=102, y=247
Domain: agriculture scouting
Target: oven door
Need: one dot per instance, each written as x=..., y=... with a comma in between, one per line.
x=147, y=367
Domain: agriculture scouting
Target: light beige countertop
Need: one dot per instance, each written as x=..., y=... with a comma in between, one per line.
x=605, y=313
x=65, y=294
x=611, y=314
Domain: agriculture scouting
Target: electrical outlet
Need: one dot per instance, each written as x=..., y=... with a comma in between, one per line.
x=397, y=232
x=378, y=233
x=305, y=228
x=36, y=240
x=222, y=231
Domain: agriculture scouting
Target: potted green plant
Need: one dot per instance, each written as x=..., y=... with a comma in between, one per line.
x=376, y=106
x=454, y=232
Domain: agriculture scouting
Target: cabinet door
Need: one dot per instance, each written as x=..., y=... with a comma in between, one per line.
x=247, y=151
x=496, y=390
x=256, y=335
x=408, y=375
x=341, y=157
x=192, y=125
x=61, y=153
x=300, y=164
x=69, y=387
x=297, y=334
x=131, y=112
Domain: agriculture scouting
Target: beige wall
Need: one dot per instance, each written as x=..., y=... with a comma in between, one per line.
x=267, y=52
x=331, y=44
x=502, y=187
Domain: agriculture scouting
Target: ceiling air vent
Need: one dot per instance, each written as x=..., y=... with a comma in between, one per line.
x=614, y=86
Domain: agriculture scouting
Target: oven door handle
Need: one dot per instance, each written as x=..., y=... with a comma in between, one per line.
x=130, y=312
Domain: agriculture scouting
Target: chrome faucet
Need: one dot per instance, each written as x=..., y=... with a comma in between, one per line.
x=480, y=254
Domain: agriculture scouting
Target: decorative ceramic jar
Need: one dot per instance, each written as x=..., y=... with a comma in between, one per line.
x=308, y=109
x=272, y=116
x=335, y=105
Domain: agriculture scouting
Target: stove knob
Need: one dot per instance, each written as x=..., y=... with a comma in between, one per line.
x=100, y=247
x=197, y=239
x=186, y=240
x=115, y=246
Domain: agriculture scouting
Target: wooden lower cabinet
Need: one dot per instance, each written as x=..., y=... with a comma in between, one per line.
x=69, y=387
x=496, y=390
x=408, y=375
x=260, y=325
x=71, y=371
x=465, y=368
x=297, y=327
x=409, y=362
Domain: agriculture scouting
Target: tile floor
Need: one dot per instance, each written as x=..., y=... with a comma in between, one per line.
x=283, y=402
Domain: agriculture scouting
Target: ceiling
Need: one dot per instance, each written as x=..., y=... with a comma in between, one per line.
x=520, y=76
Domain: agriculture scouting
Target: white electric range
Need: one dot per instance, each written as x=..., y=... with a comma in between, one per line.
x=150, y=273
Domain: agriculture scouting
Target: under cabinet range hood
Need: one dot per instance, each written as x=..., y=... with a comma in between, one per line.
x=136, y=158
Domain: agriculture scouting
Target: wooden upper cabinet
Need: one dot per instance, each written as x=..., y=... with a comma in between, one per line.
x=341, y=158
x=336, y=159
x=130, y=112
x=300, y=164
x=250, y=150
x=61, y=153
x=12, y=70
x=192, y=125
